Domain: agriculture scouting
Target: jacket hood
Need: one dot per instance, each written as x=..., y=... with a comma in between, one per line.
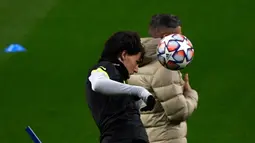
x=150, y=46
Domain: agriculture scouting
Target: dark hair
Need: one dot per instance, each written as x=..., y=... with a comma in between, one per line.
x=165, y=20
x=122, y=41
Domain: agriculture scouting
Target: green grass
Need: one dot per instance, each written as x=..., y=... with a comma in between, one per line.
x=44, y=88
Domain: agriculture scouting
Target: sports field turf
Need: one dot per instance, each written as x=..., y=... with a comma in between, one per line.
x=44, y=88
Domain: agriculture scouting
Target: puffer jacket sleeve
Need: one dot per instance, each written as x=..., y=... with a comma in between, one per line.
x=191, y=97
x=168, y=88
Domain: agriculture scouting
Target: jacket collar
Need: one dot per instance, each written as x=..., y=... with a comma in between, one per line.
x=119, y=66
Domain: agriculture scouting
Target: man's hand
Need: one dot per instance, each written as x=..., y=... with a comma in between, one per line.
x=147, y=98
x=150, y=103
x=187, y=86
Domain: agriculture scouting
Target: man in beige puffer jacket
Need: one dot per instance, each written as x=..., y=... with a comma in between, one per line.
x=176, y=100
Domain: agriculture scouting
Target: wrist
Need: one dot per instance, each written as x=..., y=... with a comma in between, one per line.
x=143, y=93
x=188, y=90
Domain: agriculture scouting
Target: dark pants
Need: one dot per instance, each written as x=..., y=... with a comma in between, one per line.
x=139, y=141
x=105, y=140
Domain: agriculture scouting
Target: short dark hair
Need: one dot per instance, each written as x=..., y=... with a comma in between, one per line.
x=165, y=20
x=122, y=41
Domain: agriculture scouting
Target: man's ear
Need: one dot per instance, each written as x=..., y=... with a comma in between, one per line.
x=178, y=30
x=123, y=55
x=170, y=31
x=166, y=31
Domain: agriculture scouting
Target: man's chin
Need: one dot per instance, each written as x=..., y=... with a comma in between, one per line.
x=131, y=73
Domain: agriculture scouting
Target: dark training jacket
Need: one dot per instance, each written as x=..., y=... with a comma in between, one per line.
x=116, y=116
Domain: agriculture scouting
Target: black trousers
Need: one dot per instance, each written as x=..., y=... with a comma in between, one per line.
x=124, y=141
x=139, y=141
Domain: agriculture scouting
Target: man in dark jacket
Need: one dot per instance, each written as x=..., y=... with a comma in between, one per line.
x=113, y=103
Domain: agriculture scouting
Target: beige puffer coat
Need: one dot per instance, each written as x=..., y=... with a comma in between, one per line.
x=167, y=122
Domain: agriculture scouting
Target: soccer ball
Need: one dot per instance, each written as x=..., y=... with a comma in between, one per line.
x=175, y=52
